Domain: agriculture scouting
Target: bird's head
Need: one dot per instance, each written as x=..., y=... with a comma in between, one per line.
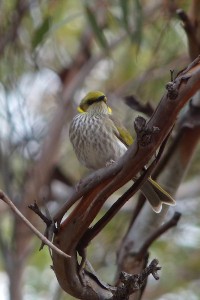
x=95, y=101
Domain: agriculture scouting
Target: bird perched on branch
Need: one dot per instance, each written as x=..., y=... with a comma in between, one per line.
x=99, y=139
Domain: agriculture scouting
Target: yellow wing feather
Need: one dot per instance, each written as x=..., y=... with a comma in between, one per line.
x=123, y=134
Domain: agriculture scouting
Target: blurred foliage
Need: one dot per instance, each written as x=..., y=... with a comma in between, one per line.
x=151, y=41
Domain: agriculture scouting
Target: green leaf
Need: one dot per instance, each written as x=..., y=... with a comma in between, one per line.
x=41, y=31
x=96, y=28
x=125, y=10
x=137, y=35
x=132, y=11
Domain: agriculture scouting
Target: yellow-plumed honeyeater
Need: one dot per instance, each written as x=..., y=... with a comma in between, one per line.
x=98, y=139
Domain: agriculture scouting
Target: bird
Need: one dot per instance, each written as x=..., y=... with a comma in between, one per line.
x=99, y=139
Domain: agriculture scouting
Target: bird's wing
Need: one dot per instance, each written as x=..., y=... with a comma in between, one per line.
x=122, y=133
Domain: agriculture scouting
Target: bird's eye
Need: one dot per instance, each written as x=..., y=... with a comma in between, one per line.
x=90, y=101
x=101, y=98
x=95, y=100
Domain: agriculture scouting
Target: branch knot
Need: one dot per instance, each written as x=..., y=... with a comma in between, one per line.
x=131, y=283
x=172, y=90
x=144, y=133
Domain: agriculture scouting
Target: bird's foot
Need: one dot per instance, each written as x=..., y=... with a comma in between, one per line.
x=110, y=162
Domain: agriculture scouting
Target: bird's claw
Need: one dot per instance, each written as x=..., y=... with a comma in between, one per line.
x=110, y=162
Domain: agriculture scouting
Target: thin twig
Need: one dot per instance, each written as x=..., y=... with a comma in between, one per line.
x=171, y=223
x=7, y=200
x=34, y=207
x=136, y=105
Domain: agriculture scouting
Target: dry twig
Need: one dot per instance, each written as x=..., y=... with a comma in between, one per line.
x=7, y=200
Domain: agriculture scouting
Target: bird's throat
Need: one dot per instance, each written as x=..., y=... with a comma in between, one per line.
x=99, y=108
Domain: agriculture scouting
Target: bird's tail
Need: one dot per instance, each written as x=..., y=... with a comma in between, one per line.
x=156, y=195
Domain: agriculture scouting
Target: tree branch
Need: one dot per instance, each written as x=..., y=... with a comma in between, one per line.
x=102, y=183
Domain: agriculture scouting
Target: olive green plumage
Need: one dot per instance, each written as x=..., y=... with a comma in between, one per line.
x=99, y=139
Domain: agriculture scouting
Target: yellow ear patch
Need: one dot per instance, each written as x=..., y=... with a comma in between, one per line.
x=109, y=110
x=80, y=110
